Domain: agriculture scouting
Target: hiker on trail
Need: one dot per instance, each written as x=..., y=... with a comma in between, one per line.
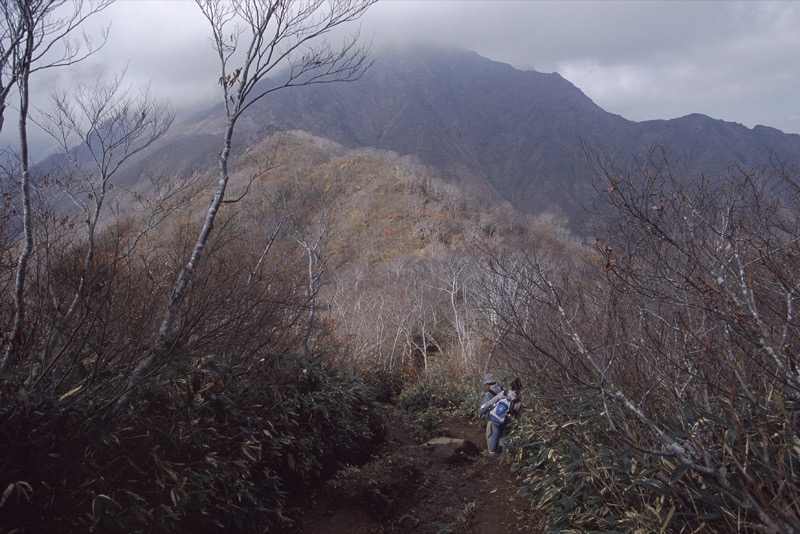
x=492, y=388
x=501, y=408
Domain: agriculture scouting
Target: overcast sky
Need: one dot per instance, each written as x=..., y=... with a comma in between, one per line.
x=736, y=61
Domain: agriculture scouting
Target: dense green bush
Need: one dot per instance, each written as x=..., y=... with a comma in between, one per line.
x=438, y=391
x=424, y=401
x=375, y=486
x=211, y=446
x=587, y=481
x=581, y=478
x=386, y=384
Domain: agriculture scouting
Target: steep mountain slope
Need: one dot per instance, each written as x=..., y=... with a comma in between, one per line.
x=377, y=207
x=500, y=133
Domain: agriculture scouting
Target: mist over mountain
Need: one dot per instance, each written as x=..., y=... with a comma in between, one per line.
x=498, y=132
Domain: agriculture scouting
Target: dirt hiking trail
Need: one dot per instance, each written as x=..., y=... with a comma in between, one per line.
x=452, y=486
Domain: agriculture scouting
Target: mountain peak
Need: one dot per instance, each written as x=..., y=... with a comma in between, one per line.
x=506, y=133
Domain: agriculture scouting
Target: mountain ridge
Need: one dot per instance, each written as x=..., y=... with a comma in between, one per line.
x=500, y=133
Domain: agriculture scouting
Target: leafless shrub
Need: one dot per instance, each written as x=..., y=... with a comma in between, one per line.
x=684, y=324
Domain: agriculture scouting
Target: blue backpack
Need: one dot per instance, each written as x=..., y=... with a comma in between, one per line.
x=501, y=410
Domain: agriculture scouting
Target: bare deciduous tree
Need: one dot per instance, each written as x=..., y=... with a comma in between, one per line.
x=683, y=325
x=253, y=39
x=454, y=279
x=99, y=127
x=36, y=35
x=314, y=247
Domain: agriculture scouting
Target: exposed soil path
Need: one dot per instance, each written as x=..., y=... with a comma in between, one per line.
x=470, y=492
